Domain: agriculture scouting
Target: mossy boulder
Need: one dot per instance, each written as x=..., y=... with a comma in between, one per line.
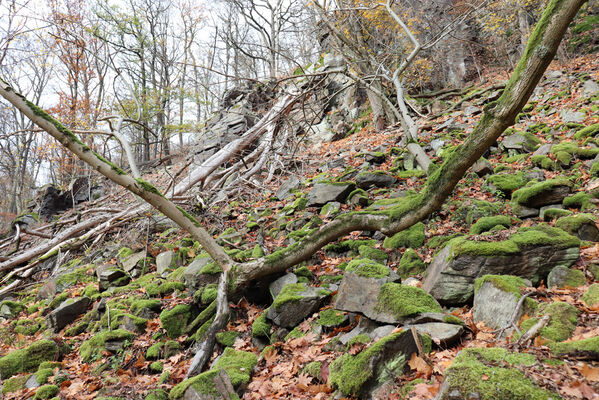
x=412, y=237
x=410, y=264
x=552, y=191
x=544, y=162
x=580, y=200
x=367, y=268
x=580, y=225
x=472, y=209
x=102, y=341
x=28, y=359
x=506, y=183
x=14, y=384
x=261, y=327
x=485, y=224
x=331, y=318
x=591, y=296
x=382, y=300
x=237, y=365
x=175, y=320
x=10, y=309
x=46, y=392
x=227, y=338
x=578, y=349
x=360, y=374
x=491, y=374
x=530, y=253
x=294, y=303
x=561, y=325
x=561, y=277
x=373, y=254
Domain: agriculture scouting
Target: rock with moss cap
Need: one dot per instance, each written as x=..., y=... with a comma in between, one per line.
x=230, y=373
x=261, y=327
x=480, y=374
x=561, y=325
x=561, y=277
x=294, y=303
x=530, y=253
x=175, y=320
x=332, y=318
x=552, y=191
x=10, y=309
x=28, y=359
x=586, y=349
x=412, y=237
x=495, y=299
x=580, y=225
x=363, y=373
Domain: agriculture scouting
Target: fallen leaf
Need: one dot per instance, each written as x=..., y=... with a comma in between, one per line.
x=590, y=373
x=420, y=365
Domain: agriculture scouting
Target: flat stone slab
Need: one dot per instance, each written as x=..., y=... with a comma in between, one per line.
x=67, y=312
x=440, y=332
x=495, y=306
x=322, y=193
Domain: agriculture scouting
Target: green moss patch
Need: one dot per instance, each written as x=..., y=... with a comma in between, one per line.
x=560, y=326
x=46, y=392
x=591, y=296
x=93, y=347
x=367, y=268
x=404, y=301
x=410, y=264
x=14, y=384
x=289, y=293
x=507, y=183
x=587, y=131
x=28, y=359
x=373, y=254
x=524, y=195
x=544, y=162
x=330, y=318
x=585, y=348
x=579, y=200
x=484, y=224
x=480, y=373
x=260, y=327
x=227, y=338
x=237, y=364
x=412, y=237
x=175, y=320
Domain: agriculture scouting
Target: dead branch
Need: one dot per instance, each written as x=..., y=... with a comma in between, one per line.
x=530, y=334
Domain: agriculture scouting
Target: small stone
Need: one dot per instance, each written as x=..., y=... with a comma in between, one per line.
x=482, y=167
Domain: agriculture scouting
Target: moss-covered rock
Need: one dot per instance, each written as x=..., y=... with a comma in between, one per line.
x=580, y=225
x=367, y=268
x=585, y=348
x=93, y=347
x=591, y=296
x=574, y=150
x=484, y=224
x=471, y=210
x=579, y=200
x=260, y=327
x=313, y=369
x=46, y=392
x=10, y=308
x=507, y=183
x=450, y=277
x=479, y=373
x=560, y=277
x=551, y=191
x=410, y=264
x=563, y=317
x=156, y=367
x=412, y=237
x=157, y=394
x=175, y=320
x=330, y=318
x=295, y=302
x=14, y=384
x=28, y=359
x=237, y=364
x=404, y=301
x=373, y=254
x=544, y=162
x=353, y=374
x=587, y=131
x=227, y=338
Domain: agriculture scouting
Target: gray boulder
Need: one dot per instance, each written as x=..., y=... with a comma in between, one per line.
x=285, y=190
x=66, y=313
x=552, y=191
x=165, y=262
x=482, y=167
x=277, y=285
x=442, y=333
x=531, y=253
x=380, y=179
x=572, y=116
x=495, y=300
x=129, y=263
x=322, y=193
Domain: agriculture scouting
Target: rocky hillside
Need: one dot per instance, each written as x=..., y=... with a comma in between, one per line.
x=491, y=298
